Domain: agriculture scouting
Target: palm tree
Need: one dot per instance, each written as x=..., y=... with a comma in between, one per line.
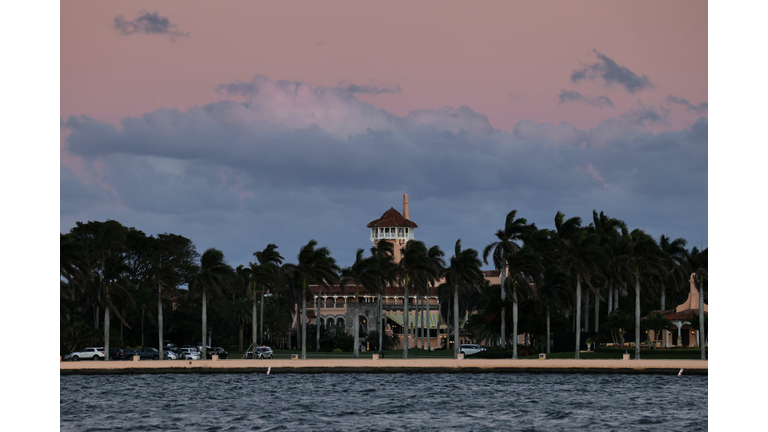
x=506, y=244
x=265, y=271
x=313, y=265
x=463, y=273
x=414, y=267
x=365, y=272
x=106, y=245
x=641, y=260
x=610, y=231
x=577, y=255
x=673, y=268
x=383, y=253
x=435, y=257
x=698, y=262
x=212, y=274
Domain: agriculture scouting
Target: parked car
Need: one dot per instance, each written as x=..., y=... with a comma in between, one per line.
x=149, y=353
x=209, y=352
x=469, y=349
x=263, y=352
x=116, y=354
x=170, y=355
x=129, y=353
x=189, y=353
x=89, y=353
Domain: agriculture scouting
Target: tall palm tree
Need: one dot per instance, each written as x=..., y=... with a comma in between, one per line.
x=363, y=272
x=210, y=277
x=610, y=231
x=435, y=256
x=673, y=263
x=525, y=266
x=314, y=265
x=266, y=272
x=506, y=244
x=414, y=266
x=698, y=263
x=464, y=274
x=641, y=261
x=578, y=255
x=383, y=253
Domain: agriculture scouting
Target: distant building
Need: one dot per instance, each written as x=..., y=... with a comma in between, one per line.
x=336, y=304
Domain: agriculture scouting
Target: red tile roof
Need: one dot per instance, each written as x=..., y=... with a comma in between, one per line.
x=392, y=218
x=677, y=316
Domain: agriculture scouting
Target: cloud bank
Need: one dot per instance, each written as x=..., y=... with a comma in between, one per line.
x=295, y=162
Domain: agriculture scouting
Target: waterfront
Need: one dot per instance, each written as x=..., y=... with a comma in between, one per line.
x=384, y=402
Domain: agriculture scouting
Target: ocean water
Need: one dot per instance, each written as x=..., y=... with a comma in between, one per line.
x=385, y=402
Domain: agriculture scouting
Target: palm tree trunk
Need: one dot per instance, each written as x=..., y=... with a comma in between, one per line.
x=356, y=350
x=142, y=326
x=702, y=335
x=106, y=332
x=417, y=327
x=160, y=318
x=616, y=299
x=303, y=325
x=405, y=321
x=549, y=343
x=240, y=341
x=317, y=319
x=456, y=321
x=205, y=321
x=663, y=307
x=586, y=311
x=610, y=299
x=380, y=326
x=637, y=317
x=597, y=313
x=429, y=321
x=503, y=305
x=514, y=321
x=254, y=322
x=261, y=318
x=578, y=314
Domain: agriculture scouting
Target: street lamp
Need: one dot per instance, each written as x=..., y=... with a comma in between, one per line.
x=261, y=316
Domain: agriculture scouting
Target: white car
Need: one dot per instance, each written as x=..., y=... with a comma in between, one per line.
x=263, y=352
x=189, y=353
x=89, y=353
x=469, y=349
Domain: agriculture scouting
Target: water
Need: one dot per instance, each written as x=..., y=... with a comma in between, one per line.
x=387, y=402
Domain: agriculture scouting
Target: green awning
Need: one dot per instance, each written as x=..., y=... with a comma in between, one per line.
x=413, y=320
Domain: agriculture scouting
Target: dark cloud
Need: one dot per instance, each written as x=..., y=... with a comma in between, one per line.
x=698, y=109
x=643, y=114
x=611, y=73
x=295, y=162
x=148, y=23
x=574, y=96
x=368, y=88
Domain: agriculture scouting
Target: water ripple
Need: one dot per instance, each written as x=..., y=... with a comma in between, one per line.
x=381, y=402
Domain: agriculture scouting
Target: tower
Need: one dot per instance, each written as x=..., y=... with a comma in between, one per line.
x=393, y=227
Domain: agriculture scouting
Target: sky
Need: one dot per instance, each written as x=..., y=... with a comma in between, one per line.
x=238, y=124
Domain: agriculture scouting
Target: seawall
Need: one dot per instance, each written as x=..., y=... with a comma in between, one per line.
x=281, y=366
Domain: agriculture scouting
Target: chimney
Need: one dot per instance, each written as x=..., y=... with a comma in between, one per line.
x=405, y=206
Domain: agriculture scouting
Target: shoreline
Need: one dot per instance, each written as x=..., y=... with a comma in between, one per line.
x=314, y=366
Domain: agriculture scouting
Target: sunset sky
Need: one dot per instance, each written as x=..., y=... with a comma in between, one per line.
x=238, y=124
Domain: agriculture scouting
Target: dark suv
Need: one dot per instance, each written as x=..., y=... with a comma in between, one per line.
x=149, y=353
x=116, y=354
x=216, y=350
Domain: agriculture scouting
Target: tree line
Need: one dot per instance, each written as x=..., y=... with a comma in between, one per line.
x=110, y=270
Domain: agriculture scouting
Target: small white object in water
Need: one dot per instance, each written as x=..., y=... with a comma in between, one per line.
x=681, y=372
x=270, y=368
